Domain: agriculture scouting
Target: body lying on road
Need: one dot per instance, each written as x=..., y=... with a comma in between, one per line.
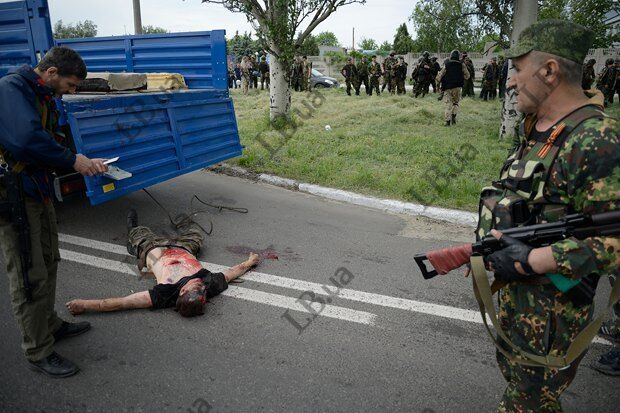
x=181, y=280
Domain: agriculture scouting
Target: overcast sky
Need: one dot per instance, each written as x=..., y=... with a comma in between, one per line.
x=377, y=19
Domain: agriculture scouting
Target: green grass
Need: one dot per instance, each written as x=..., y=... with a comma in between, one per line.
x=388, y=146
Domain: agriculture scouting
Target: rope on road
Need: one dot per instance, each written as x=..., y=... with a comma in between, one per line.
x=182, y=220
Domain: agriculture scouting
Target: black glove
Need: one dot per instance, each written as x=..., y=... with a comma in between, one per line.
x=503, y=261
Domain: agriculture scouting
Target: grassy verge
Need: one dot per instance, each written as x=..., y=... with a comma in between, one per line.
x=387, y=146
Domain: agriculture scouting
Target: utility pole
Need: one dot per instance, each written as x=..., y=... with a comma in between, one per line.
x=137, y=17
x=353, y=45
x=525, y=14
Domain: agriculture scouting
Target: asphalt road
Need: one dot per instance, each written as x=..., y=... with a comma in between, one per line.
x=380, y=351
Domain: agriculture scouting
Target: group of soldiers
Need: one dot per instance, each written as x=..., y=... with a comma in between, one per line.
x=394, y=73
x=608, y=80
x=246, y=74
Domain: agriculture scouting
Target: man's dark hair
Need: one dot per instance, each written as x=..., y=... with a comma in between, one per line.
x=67, y=61
x=190, y=304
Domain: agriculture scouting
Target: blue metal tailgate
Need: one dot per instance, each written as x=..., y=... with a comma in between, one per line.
x=157, y=136
x=199, y=56
x=25, y=33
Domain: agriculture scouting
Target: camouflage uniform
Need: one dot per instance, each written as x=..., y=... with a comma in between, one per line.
x=489, y=80
x=349, y=71
x=142, y=240
x=362, y=75
x=401, y=76
x=423, y=76
x=375, y=75
x=387, y=69
x=538, y=317
x=606, y=82
x=468, y=88
x=588, y=75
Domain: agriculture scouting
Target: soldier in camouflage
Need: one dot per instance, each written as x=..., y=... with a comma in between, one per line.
x=362, y=75
x=588, y=75
x=387, y=70
x=468, y=88
x=375, y=74
x=569, y=153
x=400, y=75
x=606, y=82
x=423, y=75
x=349, y=71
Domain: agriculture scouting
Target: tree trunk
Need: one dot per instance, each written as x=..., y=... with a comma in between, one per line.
x=280, y=89
x=525, y=14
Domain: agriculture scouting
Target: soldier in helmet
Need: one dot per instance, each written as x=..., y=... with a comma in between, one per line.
x=451, y=80
x=423, y=75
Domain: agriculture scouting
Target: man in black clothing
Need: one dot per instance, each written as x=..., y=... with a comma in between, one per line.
x=181, y=280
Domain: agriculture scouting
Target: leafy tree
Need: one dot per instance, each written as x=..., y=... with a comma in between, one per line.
x=445, y=25
x=589, y=13
x=153, y=30
x=403, y=43
x=243, y=45
x=277, y=23
x=385, y=48
x=327, y=39
x=310, y=47
x=367, y=44
x=87, y=28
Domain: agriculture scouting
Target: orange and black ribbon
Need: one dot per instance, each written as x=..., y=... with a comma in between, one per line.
x=542, y=153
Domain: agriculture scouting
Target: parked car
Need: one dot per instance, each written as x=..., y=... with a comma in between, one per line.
x=319, y=80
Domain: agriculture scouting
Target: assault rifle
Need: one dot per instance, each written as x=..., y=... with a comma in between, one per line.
x=579, y=226
x=14, y=208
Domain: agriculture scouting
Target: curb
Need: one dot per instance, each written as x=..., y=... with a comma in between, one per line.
x=453, y=216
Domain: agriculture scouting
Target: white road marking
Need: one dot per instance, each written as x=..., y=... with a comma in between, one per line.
x=289, y=303
x=422, y=307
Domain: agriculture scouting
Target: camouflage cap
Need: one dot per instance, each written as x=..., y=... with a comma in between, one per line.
x=557, y=37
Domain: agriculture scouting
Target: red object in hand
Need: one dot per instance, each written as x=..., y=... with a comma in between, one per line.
x=448, y=259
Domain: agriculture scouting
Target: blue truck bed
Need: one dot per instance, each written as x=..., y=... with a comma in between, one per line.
x=157, y=135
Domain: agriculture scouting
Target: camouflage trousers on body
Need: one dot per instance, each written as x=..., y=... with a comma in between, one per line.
x=468, y=88
x=363, y=80
x=374, y=85
x=143, y=240
x=451, y=99
x=387, y=82
x=536, y=319
x=37, y=319
x=352, y=84
x=421, y=88
x=400, y=86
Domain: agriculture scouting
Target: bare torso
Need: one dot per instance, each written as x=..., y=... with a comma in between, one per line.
x=169, y=265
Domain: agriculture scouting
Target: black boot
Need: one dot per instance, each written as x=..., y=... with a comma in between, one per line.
x=132, y=222
x=71, y=330
x=454, y=119
x=55, y=366
x=448, y=123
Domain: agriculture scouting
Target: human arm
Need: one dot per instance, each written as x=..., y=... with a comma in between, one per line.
x=130, y=302
x=240, y=269
x=440, y=75
x=21, y=131
x=585, y=176
x=465, y=72
x=588, y=172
